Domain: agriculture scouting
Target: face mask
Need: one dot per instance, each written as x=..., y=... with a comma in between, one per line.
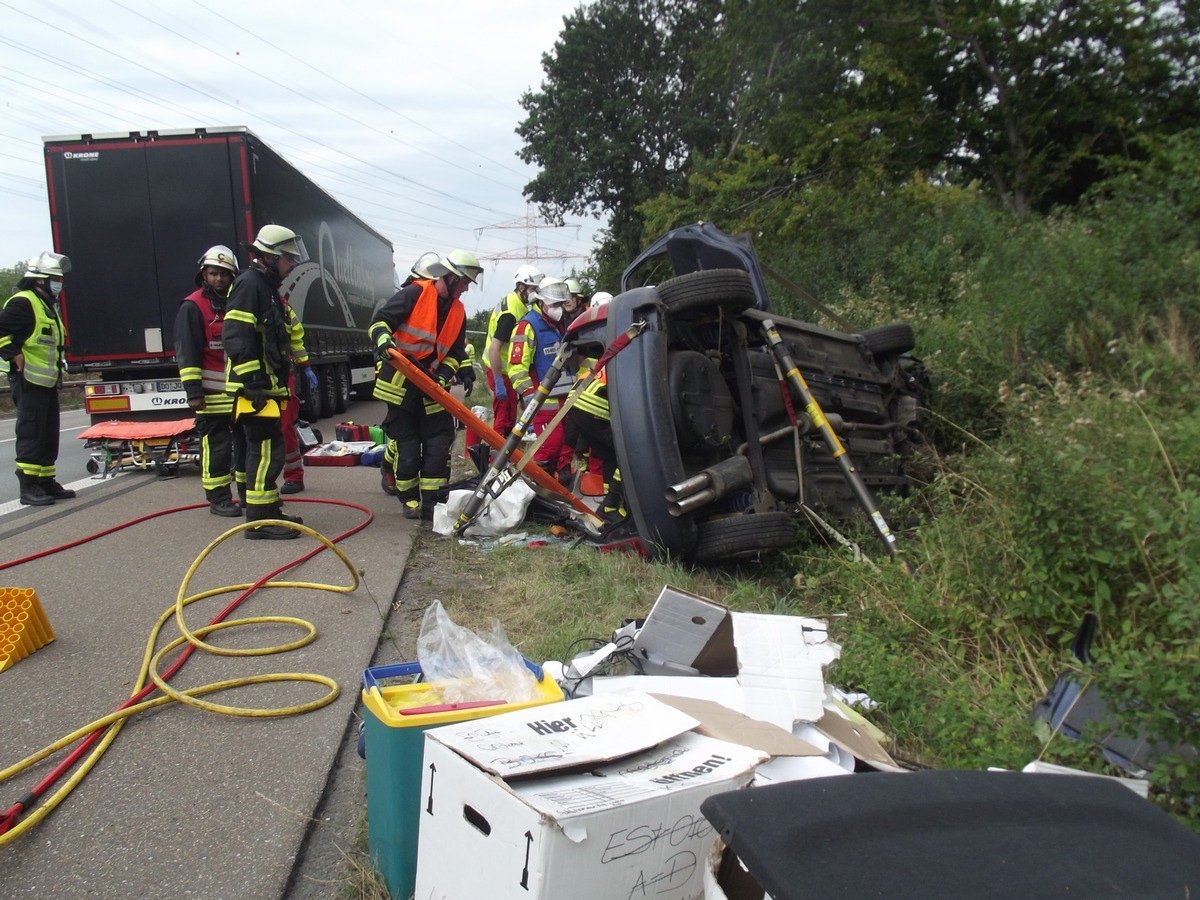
x=55, y=289
x=554, y=313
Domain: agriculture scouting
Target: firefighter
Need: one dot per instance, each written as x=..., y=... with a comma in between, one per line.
x=574, y=305
x=535, y=343
x=201, y=357
x=32, y=341
x=496, y=347
x=588, y=426
x=257, y=364
x=428, y=267
x=425, y=321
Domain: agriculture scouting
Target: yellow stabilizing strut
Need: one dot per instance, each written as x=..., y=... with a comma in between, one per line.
x=151, y=660
x=817, y=416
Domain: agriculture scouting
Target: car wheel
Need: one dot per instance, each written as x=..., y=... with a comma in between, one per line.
x=731, y=537
x=341, y=380
x=715, y=289
x=889, y=340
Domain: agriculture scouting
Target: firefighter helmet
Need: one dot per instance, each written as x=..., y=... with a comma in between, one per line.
x=529, y=275
x=575, y=287
x=277, y=240
x=428, y=266
x=552, y=291
x=220, y=256
x=601, y=298
x=48, y=264
x=462, y=263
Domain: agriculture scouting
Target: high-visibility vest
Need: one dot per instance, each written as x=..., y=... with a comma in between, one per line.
x=594, y=399
x=419, y=337
x=515, y=306
x=43, y=349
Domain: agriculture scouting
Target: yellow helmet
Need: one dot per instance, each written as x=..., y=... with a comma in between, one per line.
x=278, y=240
x=462, y=263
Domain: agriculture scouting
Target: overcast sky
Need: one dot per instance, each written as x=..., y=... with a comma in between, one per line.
x=405, y=111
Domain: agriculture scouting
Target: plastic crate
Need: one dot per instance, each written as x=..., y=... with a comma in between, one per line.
x=396, y=718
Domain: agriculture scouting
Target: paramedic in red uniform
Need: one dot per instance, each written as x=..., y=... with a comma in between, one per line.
x=200, y=354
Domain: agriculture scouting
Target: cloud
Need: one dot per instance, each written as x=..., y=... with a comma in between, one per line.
x=403, y=111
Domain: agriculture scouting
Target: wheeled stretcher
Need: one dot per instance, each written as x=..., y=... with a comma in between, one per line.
x=157, y=446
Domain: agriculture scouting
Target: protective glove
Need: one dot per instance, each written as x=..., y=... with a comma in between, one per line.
x=310, y=377
x=500, y=390
x=381, y=350
x=468, y=383
x=257, y=396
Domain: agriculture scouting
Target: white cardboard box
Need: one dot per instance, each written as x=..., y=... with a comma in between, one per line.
x=589, y=799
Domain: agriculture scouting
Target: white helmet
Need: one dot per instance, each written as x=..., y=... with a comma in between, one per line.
x=277, y=240
x=47, y=264
x=529, y=275
x=462, y=263
x=600, y=298
x=429, y=266
x=552, y=291
x=220, y=256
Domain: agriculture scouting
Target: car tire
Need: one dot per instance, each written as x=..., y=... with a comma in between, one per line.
x=748, y=534
x=889, y=340
x=727, y=290
x=341, y=380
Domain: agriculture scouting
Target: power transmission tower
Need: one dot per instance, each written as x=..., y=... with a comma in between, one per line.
x=531, y=251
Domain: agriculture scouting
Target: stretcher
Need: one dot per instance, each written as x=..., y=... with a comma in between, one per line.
x=157, y=446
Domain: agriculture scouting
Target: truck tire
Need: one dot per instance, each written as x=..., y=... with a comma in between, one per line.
x=748, y=534
x=328, y=390
x=715, y=289
x=889, y=340
x=341, y=380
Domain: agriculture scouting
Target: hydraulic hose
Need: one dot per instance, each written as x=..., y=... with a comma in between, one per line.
x=100, y=733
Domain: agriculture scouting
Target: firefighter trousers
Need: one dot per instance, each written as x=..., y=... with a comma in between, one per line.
x=37, y=425
x=222, y=449
x=264, y=462
x=424, y=434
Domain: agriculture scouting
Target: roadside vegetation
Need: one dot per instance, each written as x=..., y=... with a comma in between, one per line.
x=1011, y=184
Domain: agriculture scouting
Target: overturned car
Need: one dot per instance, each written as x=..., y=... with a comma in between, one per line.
x=718, y=456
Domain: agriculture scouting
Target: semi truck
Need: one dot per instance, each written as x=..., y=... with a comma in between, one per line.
x=135, y=211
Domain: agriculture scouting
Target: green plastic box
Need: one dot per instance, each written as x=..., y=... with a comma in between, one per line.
x=396, y=719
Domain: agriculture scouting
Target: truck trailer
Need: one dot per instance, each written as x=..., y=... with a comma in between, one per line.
x=136, y=210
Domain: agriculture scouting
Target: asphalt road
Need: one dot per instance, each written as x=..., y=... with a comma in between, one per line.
x=189, y=803
x=72, y=457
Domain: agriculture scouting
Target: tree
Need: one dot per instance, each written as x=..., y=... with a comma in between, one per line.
x=618, y=114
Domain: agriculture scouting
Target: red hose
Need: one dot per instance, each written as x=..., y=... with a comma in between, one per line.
x=10, y=816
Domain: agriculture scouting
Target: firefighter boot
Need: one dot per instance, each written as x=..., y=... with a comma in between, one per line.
x=257, y=513
x=56, y=490
x=32, y=492
x=220, y=503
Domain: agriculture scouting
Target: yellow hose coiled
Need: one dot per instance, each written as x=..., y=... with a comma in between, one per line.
x=151, y=660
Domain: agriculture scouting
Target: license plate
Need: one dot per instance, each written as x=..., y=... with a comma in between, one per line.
x=168, y=386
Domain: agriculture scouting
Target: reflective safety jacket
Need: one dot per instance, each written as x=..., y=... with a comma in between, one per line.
x=30, y=326
x=255, y=334
x=535, y=343
x=200, y=351
x=511, y=305
x=594, y=399
x=428, y=330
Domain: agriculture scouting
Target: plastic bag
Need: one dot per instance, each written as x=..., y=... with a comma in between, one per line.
x=500, y=516
x=468, y=666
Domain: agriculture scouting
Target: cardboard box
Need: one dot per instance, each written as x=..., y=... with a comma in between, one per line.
x=590, y=799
